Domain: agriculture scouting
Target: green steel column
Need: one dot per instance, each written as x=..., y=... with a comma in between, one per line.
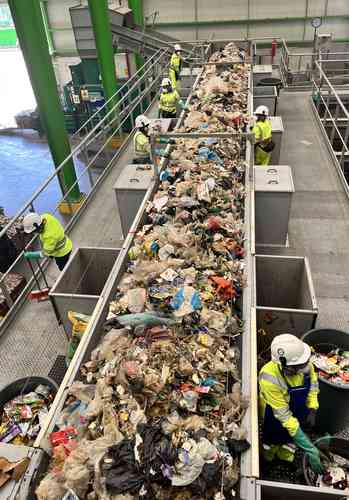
x=31, y=34
x=104, y=44
x=137, y=9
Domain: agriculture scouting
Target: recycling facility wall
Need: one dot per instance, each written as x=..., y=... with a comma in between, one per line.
x=228, y=19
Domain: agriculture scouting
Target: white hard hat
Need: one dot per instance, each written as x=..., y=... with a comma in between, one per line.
x=31, y=222
x=142, y=121
x=177, y=48
x=290, y=347
x=262, y=110
x=165, y=82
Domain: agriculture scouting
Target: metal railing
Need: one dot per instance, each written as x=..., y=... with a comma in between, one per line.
x=333, y=116
x=98, y=151
x=298, y=69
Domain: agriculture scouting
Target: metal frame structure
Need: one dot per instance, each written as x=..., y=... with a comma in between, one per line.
x=333, y=118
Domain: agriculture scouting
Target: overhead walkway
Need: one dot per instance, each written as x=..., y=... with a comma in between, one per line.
x=319, y=224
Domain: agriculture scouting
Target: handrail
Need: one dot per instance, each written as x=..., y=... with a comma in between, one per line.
x=75, y=151
x=324, y=77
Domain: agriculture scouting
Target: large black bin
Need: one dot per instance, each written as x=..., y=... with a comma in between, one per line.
x=333, y=414
x=23, y=386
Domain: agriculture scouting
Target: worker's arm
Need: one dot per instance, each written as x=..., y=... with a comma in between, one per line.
x=179, y=100
x=312, y=400
x=144, y=142
x=49, y=245
x=276, y=397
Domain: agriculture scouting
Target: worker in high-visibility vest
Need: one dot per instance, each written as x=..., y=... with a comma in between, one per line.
x=55, y=243
x=288, y=400
x=263, y=137
x=169, y=99
x=141, y=142
x=176, y=67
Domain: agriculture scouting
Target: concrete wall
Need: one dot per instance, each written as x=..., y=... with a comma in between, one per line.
x=249, y=18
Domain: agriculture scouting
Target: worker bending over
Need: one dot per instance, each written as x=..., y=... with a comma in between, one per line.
x=262, y=132
x=141, y=142
x=176, y=67
x=288, y=397
x=55, y=243
x=169, y=99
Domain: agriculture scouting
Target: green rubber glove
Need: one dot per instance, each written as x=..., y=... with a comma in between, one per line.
x=163, y=140
x=33, y=255
x=163, y=152
x=181, y=103
x=302, y=441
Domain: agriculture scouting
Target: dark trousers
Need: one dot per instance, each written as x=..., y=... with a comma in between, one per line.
x=168, y=114
x=61, y=261
x=141, y=161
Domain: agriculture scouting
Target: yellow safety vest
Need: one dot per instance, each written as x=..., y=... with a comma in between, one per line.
x=176, y=63
x=141, y=145
x=273, y=391
x=54, y=242
x=168, y=101
x=262, y=131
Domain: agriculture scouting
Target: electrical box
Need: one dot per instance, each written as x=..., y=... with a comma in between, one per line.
x=261, y=71
x=274, y=189
x=277, y=130
x=130, y=189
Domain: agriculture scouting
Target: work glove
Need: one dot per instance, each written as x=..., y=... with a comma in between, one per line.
x=33, y=255
x=302, y=441
x=311, y=418
x=163, y=140
x=163, y=153
x=182, y=104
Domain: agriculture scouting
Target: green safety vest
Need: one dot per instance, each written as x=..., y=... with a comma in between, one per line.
x=168, y=101
x=54, y=242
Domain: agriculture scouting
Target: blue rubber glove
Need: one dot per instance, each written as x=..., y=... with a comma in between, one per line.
x=33, y=255
x=302, y=441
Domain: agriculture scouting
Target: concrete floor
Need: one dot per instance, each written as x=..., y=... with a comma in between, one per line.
x=34, y=340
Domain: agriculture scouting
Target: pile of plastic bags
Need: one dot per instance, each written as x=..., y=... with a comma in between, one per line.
x=158, y=413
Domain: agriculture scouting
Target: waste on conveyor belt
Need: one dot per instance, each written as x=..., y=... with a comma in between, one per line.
x=158, y=412
x=333, y=365
x=23, y=416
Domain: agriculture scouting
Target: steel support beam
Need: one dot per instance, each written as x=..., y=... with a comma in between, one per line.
x=138, y=17
x=30, y=29
x=104, y=43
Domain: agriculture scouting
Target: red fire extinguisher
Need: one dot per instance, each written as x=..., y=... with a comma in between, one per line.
x=273, y=50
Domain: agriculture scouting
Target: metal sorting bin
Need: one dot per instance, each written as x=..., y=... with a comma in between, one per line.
x=277, y=130
x=285, y=296
x=333, y=398
x=130, y=190
x=268, y=490
x=266, y=96
x=80, y=284
x=261, y=71
x=274, y=189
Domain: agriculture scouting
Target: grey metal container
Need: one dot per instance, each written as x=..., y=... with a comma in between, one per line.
x=268, y=490
x=261, y=71
x=80, y=284
x=266, y=96
x=130, y=190
x=333, y=399
x=277, y=130
x=285, y=296
x=274, y=189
